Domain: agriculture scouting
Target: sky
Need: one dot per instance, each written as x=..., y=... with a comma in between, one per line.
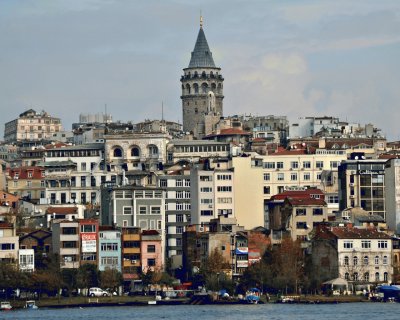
x=285, y=58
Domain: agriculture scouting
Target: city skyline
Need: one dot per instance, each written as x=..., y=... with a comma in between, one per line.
x=293, y=58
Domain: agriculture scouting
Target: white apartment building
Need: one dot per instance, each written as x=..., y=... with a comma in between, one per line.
x=74, y=174
x=26, y=260
x=295, y=169
x=212, y=194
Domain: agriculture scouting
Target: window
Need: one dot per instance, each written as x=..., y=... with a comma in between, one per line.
x=346, y=261
x=301, y=225
x=151, y=262
x=267, y=190
x=294, y=164
x=179, y=218
x=224, y=188
x=206, y=189
x=179, y=229
x=355, y=276
x=224, y=177
x=88, y=228
x=348, y=244
x=83, y=181
x=142, y=210
x=269, y=165
x=355, y=261
x=163, y=183
x=376, y=260
x=206, y=212
x=205, y=178
x=109, y=246
x=29, y=183
x=319, y=164
x=127, y=210
x=267, y=176
x=377, y=276
x=347, y=276
x=293, y=176
x=300, y=212
x=366, y=244
x=7, y=246
x=224, y=200
x=151, y=248
x=306, y=176
x=83, y=166
x=155, y=210
x=279, y=165
x=318, y=212
x=366, y=276
x=385, y=260
x=306, y=164
x=382, y=244
x=30, y=174
x=366, y=260
x=385, y=277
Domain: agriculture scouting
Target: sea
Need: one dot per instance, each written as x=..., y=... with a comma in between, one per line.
x=345, y=311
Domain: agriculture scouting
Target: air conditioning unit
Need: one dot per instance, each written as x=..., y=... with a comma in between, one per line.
x=133, y=261
x=201, y=229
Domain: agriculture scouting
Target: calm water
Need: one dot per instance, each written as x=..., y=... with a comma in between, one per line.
x=345, y=311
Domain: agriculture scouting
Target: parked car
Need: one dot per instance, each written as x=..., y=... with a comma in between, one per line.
x=97, y=292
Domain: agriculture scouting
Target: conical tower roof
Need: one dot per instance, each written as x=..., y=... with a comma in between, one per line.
x=201, y=54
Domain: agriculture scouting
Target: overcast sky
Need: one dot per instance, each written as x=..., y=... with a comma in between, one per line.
x=296, y=58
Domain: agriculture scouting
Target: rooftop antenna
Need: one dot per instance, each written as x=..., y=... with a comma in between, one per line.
x=201, y=20
x=162, y=111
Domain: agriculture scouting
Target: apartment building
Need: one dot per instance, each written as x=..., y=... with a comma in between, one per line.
x=26, y=260
x=361, y=256
x=27, y=182
x=211, y=193
x=131, y=253
x=88, y=239
x=362, y=184
x=392, y=194
x=31, y=126
x=65, y=243
x=177, y=211
x=9, y=243
x=151, y=251
x=110, y=251
x=40, y=241
x=74, y=174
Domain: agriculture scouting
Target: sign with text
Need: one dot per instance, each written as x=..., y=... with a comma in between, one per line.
x=89, y=243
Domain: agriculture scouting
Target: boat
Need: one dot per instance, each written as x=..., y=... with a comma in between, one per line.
x=252, y=296
x=5, y=305
x=31, y=304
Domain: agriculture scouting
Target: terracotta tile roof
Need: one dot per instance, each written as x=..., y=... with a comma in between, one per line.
x=326, y=232
x=22, y=172
x=62, y=210
x=150, y=233
x=356, y=233
x=300, y=194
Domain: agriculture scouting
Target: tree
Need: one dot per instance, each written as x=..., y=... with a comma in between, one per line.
x=110, y=278
x=87, y=276
x=213, y=271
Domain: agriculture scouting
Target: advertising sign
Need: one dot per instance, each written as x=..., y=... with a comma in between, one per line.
x=89, y=243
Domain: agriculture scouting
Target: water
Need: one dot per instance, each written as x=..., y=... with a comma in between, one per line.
x=345, y=311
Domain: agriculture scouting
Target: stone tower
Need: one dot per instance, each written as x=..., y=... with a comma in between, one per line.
x=202, y=90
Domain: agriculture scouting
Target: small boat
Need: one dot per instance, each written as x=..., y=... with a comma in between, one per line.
x=5, y=305
x=31, y=304
x=252, y=296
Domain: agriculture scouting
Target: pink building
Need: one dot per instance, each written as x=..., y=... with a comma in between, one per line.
x=151, y=251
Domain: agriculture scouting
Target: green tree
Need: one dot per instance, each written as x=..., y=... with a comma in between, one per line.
x=214, y=270
x=87, y=276
x=110, y=278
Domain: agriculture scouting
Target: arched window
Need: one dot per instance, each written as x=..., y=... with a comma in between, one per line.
x=377, y=276
x=366, y=260
x=196, y=88
x=355, y=276
x=135, y=152
x=385, y=260
x=366, y=276
x=188, y=88
x=211, y=74
x=213, y=87
x=385, y=277
x=117, y=152
x=204, y=87
x=376, y=260
x=195, y=74
x=346, y=260
x=396, y=258
x=196, y=111
x=347, y=276
x=355, y=261
x=219, y=88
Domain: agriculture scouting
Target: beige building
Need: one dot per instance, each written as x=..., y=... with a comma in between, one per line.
x=9, y=243
x=248, y=194
x=32, y=126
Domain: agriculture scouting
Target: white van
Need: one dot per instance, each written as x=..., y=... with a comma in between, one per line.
x=97, y=292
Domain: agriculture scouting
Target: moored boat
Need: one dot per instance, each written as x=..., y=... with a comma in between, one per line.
x=5, y=305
